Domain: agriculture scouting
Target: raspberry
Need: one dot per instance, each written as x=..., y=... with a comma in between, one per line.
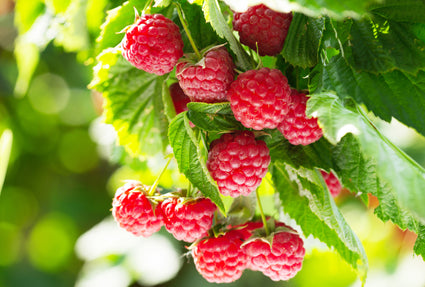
x=153, y=44
x=259, y=98
x=238, y=162
x=134, y=211
x=280, y=258
x=207, y=81
x=188, y=219
x=180, y=99
x=332, y=182
x=296, y=127
x=261, y=26
x=220, y=259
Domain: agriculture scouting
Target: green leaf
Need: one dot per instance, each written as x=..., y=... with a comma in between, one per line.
x=303, y=40
x=5, y=150
x=405, y=191
x=314, y=8
x=201, y=31
x=117, y=19
x=72, y=33
x=213, y=117
x=380, y=45
x=188, y=154
x=133, y=102
x=401, y=10
x=304, y=198
x=26, y=11
x=213, y=14
x=384, y=94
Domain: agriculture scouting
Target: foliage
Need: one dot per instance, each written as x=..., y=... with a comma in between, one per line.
x=373, y=60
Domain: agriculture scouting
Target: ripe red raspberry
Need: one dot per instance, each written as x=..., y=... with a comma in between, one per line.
x=261, y=26
x=180, y=99
x=332, y=182
x=280, y=258
x=153, y=44
x=238, y=162
x=259, y=98
x=209, y=80
x=134, y=211
x=220, y=259
x=188, y=219
x=296, y=127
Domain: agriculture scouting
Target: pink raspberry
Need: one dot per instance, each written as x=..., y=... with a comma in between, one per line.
x=332, y=182
x=280, y=258
x=261, y=26
x=220, y=259
x=180, y=99
x=153, y=44
x=209, y=80
x=296, y=127
x=260, y=98
x=188, y=219
x=238, y=162
x=133, y=210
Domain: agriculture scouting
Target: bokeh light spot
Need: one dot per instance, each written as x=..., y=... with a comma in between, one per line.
x=51, y=241
x=77, y=152
x=48, y=94
x=10, y=240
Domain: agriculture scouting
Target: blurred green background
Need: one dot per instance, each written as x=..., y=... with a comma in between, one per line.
x=55, y=225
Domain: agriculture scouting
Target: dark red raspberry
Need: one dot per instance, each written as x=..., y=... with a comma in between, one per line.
x=261, y=26
x=296, y=127
x=332, y=182
x=180, y=99
x=220, y=259
x=209, y=80
x=280, y=258
x=153, y=44
x=259, y=98
x=238, y=162
x=134, y=211
x=188, y=219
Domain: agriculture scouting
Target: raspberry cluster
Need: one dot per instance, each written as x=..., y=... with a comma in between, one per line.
x=238, y=162
x=223, y=259
x=260, y=98
x=136, y=211
x=153, y=44
x=262, y=27
x=208, y=80
x=296, y=127
x=186, y=218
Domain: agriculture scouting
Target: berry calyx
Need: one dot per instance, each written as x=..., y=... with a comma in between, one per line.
x=209, y=79
x=238, y=162
x=180, y=99
x=332, y=182
x=220, y=259
x=278, y=256
x=260, y=98
x=296, y=127
x=153, y=44
x=260, y=26
x=188, y=219
x=134, y=211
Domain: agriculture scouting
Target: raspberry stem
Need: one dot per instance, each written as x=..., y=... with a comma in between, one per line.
x=186, y=29
x=263, y=217
x=155, y=184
